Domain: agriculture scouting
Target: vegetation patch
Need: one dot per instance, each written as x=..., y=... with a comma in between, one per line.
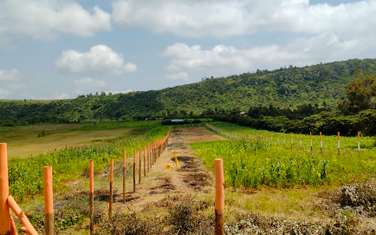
x=359, y=197
x=256, y=224
x=253, y=158
x=25, y=175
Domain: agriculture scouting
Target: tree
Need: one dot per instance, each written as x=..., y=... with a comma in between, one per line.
x=360, y=94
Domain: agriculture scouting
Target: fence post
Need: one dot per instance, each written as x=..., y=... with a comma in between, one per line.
x=339, y=143
x=27, y=227
x=139, y=167
x=358, y=137
x=91, y=196
x=144, y=154
x=147, y=159
x=134, y=172
x=321, y=142
x=111, y=181
x=124, y=174
x=310, y=135
x=5, y=221
x=48, y=201
x=219, y=197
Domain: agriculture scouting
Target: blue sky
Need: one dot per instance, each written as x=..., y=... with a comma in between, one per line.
x=60, y=49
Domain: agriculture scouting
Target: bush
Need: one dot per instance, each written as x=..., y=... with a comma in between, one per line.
x=129, y=224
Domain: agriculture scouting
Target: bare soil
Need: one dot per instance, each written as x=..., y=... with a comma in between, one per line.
x=177, y=171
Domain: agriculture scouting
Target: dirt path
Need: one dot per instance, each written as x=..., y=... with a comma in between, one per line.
x=177, y=171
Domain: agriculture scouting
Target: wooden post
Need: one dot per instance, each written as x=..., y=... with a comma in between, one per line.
x=91, y=196
x=339, y=143
x=139, y=167
x=148, y=159
x=5, y=222
x=321, y=142
x=27, y=226
x=124, y=174
x=111, y=181
x=48, y=201
x=152, y=154
x=219, y=197
x=358, y=137
x=134, y=173
x=144, y=155
x=13, y=227
x=149, y=153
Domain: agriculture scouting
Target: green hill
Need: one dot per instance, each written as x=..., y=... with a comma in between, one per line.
x=322, y=84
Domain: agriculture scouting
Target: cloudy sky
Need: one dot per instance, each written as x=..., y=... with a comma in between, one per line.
x=62, y=48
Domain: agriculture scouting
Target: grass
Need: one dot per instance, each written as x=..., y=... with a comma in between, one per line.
x=29, y=141
x=297, y=203
x=257, y=162
x=254, y=158
x=70, y=162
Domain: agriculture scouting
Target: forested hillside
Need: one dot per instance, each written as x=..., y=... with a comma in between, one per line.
x=322, y=85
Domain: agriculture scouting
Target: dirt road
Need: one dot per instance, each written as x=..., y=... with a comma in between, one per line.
x=177, y=171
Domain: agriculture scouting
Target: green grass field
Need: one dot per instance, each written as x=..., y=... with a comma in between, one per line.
x=68, y=148
x=266, y=173
x=254, y=158
x=276, y=175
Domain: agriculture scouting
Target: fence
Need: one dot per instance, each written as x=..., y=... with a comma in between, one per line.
x=146, y=158
x=7, y=203
x=143, y=162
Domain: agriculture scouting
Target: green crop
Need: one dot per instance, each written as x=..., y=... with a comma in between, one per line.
x=25, y=175
x=253, y=158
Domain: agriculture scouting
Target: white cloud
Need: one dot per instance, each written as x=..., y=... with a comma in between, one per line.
x=42, y=18
x=316, y=32
x=9, y=75
x=240, y=17
x=99, y=59
x=194, y=62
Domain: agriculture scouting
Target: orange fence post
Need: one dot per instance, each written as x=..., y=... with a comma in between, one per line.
x=13, y=228
x=219, y=197
x=144, y=154
x=111, y=180
x=124, y=174
x=91, y=196
x=48, y=201
x=147, y=159
x=5, y=222
x=134, y=172
x=139, y=167
x=27, y=227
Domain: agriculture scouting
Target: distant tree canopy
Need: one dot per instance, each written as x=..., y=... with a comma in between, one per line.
x=356, y=112
x=286, y=99
x=360, y=94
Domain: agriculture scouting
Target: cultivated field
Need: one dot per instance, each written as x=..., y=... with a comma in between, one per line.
x=280, y=176
x=274, y=183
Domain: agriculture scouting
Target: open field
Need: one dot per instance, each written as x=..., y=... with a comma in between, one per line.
x=254, y=158
x=70, y=161
x=28, y=141
x=274, y=175
x=274, y=183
